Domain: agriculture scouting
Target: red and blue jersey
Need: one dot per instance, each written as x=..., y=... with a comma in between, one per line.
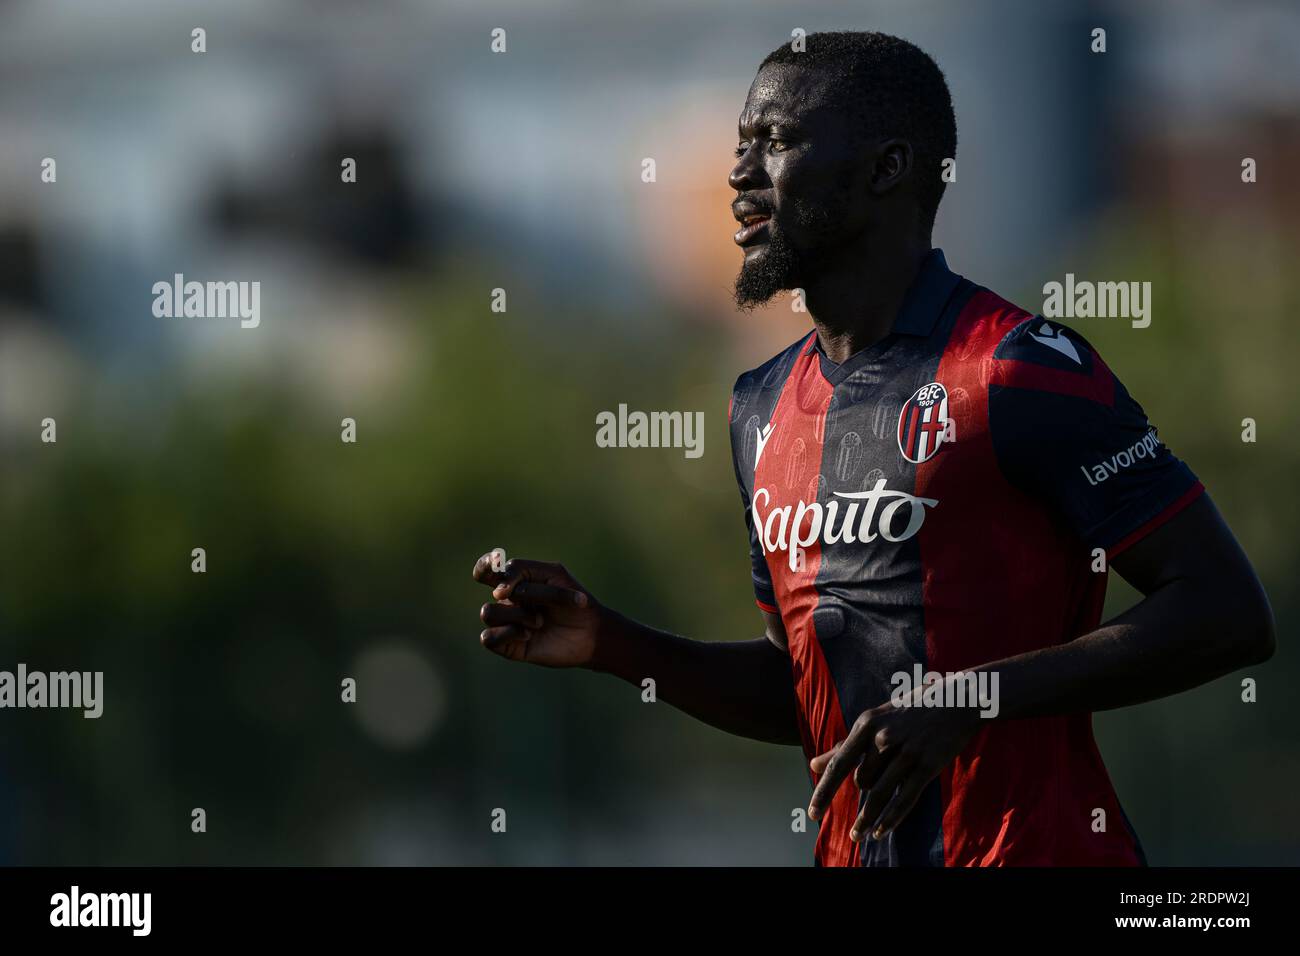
x=941, y=499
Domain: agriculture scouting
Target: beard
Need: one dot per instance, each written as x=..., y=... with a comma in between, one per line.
x=781, y=266
x=775, y=268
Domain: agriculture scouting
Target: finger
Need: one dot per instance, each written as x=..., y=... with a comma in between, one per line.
x=483, y=571
x=818, y=764
x=496, y=615
x=523, y=569
x=840, y=764
x=875, y=757
x=898, y=809
x=498, y=638
x=877, y=798
x=530, y=592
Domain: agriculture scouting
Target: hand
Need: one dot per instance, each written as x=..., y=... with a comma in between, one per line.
x=893, y=752
x=542, y=615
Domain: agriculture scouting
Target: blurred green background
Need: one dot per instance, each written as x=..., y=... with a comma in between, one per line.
x=521, y=171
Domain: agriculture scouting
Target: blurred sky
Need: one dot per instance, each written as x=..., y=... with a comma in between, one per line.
x=534, y=155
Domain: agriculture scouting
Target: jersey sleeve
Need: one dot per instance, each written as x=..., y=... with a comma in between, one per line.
x=742, y=423
x=1067, y=432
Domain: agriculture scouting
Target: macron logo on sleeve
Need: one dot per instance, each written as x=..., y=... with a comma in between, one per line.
x=763, y=435
x=1053, y=339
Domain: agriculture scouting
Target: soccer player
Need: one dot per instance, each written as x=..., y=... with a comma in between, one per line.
x=933, y=480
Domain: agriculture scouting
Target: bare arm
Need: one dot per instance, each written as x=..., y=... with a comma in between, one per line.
x=742, y=687
x=543, y=616
x=1203, y=615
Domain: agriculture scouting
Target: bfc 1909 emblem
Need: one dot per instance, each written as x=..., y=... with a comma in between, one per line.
x=923, y=422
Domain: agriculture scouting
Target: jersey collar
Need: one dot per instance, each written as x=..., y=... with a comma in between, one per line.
x=926, y=298
x=922, y=307
x=924, y=302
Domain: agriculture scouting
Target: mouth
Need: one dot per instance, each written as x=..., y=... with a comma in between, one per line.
x=752, y=229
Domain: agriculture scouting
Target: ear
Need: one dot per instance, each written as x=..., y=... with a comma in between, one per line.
x=892, y=165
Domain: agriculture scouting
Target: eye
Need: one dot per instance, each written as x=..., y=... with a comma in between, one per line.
x=777, y=145
x=740, y=150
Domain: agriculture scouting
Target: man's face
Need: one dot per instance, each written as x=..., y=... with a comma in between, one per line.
x=801, y=182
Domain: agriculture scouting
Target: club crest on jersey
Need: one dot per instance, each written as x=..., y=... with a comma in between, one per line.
x=923, y=424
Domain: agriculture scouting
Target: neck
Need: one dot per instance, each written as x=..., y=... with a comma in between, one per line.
x=854, y=302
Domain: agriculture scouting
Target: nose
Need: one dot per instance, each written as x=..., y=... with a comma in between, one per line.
x=746, y=173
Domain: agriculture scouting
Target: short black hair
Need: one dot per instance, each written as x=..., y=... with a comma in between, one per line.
x=892, y=88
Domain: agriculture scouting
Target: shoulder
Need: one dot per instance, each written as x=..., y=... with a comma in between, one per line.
x=754, y=398
x=768, y=378
x=1045, y=356
x=1018, y=349
x=773, y=372
x=1041, y=342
